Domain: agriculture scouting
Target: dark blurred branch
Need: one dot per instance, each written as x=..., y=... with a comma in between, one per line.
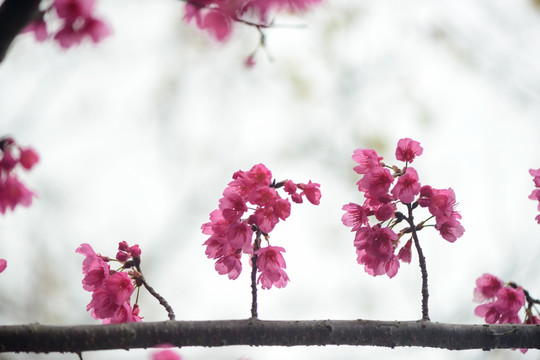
x=14, y=16
x=76, y=339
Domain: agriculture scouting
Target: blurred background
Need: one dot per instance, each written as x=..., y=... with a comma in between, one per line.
x=139, y=135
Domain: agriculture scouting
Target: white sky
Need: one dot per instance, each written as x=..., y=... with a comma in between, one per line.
x=138, y=137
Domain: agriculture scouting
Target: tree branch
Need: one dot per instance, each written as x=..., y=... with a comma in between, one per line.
x=14, y=15
x=76, y=339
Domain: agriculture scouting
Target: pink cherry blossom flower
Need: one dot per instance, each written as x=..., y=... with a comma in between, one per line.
x=408, y=149
x=355, y=216
x=124, y=313
x=239, y=236
x=230, y=265
x=375, y=250
x=111, y=296
x=312, y=192
x=442, y=202
x=367, y=160
x=265, y=219
x=8, y=162
x=282, y=208
x=68, y=36
x=270, y=264
x=3, y=265
x=250, y=62
x=450, y=228
x=290, y=187
x=72, y=10
x=376, y=182
x=216, y=247
x=504, y=308
x=263, y=196
x=232, y=206
x=95, y=29
x=120, y=287
x=13, y=192
x=218, y=24
x=486, y=287
x=28, y=158
x=405, y=253
x=95, y=270
x=407, y=186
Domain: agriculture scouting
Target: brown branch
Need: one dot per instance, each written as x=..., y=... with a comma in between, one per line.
x=14, y=16
x=76, y=339
x=421, y=262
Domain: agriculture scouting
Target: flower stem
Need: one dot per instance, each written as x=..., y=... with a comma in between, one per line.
x=254, y=258
x=153, y=292
x=422, y=262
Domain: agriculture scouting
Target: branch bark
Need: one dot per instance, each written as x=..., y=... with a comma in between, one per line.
x=14, y=15
x=44, y=338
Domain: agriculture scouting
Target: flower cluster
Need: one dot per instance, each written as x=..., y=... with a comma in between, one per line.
x=77, y=23
x=377, y=245
x=12, y=191
x=111, y=289
x=231, y=227
x=502, y=302
x=535, y=195
x=218, y=16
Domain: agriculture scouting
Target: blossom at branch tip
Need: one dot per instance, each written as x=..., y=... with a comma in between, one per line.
x=407, y=149
x=367, y=160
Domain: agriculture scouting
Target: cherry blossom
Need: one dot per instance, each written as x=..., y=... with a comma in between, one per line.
x=407, y=186
x=408, y=149
x=378, y=246
x=486, y=287
x=77, y=21
x=3, y=265
x=270, y=264
x=504, y=308
x=13, y=192
x=111, y=289
x=252, y=206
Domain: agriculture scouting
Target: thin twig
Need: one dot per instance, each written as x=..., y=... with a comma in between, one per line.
x=154, y=293
x=422, y=262
x=254, y=258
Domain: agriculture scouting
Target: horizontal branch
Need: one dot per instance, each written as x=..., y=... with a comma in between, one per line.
x=44, y=338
